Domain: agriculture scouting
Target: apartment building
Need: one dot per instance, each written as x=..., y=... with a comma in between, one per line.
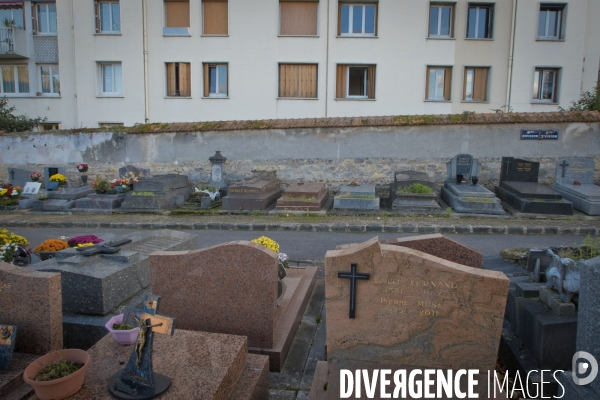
x=87, y=63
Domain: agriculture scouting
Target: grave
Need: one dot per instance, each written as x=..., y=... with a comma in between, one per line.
x=359, y=197
x=18, y=176
x=29, y=194
x=257, y=193
x=31, y=302
x=124, y=172
x=49, y=171
x=99, y=203
x=61, y=200
x=93, y=287
x=519, y=189
x=232, y=288
x=575, y=182
x=581, y=385
x=410, y=203
x=303, y=197
x=467, y=196
x=398, y=308
x=217, y=171
x=157, y=193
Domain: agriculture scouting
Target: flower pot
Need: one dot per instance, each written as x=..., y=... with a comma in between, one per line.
x=58, y=388
x=124, y=338
x=84, y=178
x=474, y=179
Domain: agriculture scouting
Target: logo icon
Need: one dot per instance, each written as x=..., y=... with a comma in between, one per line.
x=581, y=368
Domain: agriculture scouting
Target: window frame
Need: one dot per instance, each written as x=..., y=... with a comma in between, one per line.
x=491, y=14
x=440, y=5
x=177, y=64
x=350, y=19
x=16, y=93
x=540, y=82
x=464, y=98
x=562, y=8
x=343, y=82
x=52, y=92
x=101, y=65
x=448, y=69
x=100, y=19
x=20, y=24
x=216, y=67
x=37, y=19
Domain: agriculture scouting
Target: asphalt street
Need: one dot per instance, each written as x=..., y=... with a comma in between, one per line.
x=313, y=245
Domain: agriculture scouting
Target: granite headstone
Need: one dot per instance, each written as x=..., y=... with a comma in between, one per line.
x=18, y=176
x=575, y=182
x=257, y=193
x=49, y=171
x=303, y=197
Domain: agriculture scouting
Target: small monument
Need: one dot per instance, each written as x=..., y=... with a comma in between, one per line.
x=8, y=336
x=217, y=170
x=519, y=188
x=407, y=193
x=462, y=191
x=258, y=193
x=303, y=197
x=356, y=197
x=18, y=176
x=49, y=171
x=575, y=181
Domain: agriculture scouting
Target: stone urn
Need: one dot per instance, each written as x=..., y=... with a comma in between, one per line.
x=58, y=388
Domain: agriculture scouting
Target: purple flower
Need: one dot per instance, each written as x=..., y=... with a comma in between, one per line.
x=84, y=239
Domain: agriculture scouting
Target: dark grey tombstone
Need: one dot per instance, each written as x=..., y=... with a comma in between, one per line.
x=217, y=170
x=140, y=172
x=518, y=170
x=18, y=176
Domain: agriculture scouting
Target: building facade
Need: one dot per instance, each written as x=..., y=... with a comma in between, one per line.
x=86, y=63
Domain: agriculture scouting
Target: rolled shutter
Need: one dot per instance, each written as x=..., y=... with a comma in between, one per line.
x=177, y=14
x=298, y=18
x=215, y=17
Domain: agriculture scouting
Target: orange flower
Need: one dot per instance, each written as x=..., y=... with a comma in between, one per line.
x=51, y=245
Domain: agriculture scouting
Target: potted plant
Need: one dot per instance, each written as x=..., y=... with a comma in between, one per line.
x=60, y=179
x=48, y=248
x=100, y=185
x=9, y=197
x=57, y=375
x=124, y=334
x=35, y=176
x=83, y=168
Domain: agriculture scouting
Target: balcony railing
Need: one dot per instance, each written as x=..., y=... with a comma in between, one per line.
x=13, y=43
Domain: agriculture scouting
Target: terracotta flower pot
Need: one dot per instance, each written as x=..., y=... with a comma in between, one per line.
x=58, y=388
x=124, y=338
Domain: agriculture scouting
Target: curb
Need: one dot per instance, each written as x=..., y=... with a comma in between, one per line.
x=339, y=228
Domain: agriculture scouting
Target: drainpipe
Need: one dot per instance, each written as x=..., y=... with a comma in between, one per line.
x=145, y=40
x=511, y=56
x=327, y=64
x=74, y=62
x=585, y=44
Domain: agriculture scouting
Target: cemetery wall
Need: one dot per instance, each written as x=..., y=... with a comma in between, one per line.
x=334, y=155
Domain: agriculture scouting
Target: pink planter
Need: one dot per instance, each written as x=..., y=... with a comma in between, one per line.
x=124, y=338
x=58, y=388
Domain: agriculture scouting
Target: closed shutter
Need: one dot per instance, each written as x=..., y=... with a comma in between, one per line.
x=206, y=81
x=371, y=82
x=177, y=14
x=447, y=83
x=298, y=80
x=480, y=84
x=298, y=18
x=215, y=17
x=171, y=87
x=341, y=81
x=185, y=88
x=307, y=87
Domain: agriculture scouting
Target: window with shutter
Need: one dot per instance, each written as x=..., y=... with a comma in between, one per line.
x=438, y=83
x=215, y=17
x=298, y=18
x=298, y=81
x=177, y=14
x=215, y=80
x=179, y=80
x=355, y=81
x=476, y=84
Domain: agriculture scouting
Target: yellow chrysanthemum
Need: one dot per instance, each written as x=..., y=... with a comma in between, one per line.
x=60, y=178
x=9, y=237
x=268, y=243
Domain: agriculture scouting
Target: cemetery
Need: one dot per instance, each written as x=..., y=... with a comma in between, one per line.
x=162, y=310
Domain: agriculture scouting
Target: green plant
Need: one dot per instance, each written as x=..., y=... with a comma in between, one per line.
x=479, y=199
x=300, y=198
x=503, y=109
x=57, y=370
x=589, y=101
x=150, y=194
x=319, y=319
x=590, y=248
x=123, y=327
x=9, y=23
x=416, y=188
x=101, y=185
x=16, y=123
x=325, y=386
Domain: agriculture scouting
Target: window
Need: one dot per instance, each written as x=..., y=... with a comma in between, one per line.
x=355, y=81
x=177, y=14
x=357, y=19
x=298, y=18
x=215, y=80
x=15, y=79
x=50, y=126
x=12, y=13
x=545, y=84
x=49, y=79
x=476, y=84
x=110, y=124
x=108, y=17
x=480, y=21
x=179, y=80
x=298, y=80
x=438, y=83
x=111, y=78
x=215, y=17
x=45, y=19
x=550, y=25
x=441, y=20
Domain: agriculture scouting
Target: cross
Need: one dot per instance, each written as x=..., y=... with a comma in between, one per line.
x=508, y=162
x=12, y=175
x=138, y=378
x=353, y=276
x=104, y=248
x=564, y=166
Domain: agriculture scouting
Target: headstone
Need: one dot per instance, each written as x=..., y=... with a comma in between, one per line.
x=99, y=203
x=519, y=189
x=360, y=197
x=61, y=200
x=258, y=193
x=8, y=337
x=411, y=310
x=583, y=383
x=575, y=181
x=413, y=202
x=143, y=173
x=18, y=176
x=199, y=287
x=157, y=193
x=49, y=171
x=31, y=300
x=94, y=286
x=303, y=197
x=468, y=196
x=217, y=170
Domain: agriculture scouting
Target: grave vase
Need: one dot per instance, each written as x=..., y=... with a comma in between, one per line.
x=84, y=178
x=123, y=337
x=58, y=388
x=459, y=178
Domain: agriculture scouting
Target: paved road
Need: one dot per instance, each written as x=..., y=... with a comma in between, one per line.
x=313, y=245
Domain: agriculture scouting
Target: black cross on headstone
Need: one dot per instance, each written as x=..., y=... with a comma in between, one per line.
x=508, y=162
x=353, y=276
x=104, y=247
x=564, y=166
x=12, y=175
